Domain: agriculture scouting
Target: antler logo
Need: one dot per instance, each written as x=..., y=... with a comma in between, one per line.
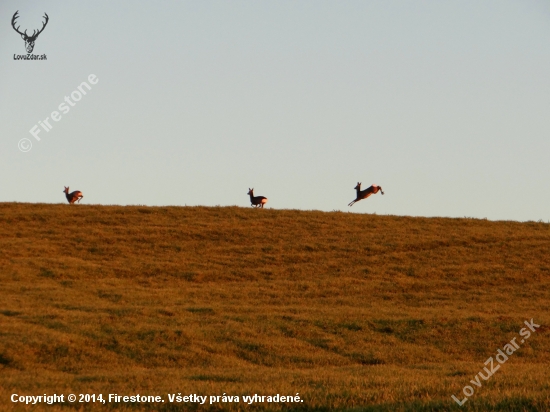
x=29, y=40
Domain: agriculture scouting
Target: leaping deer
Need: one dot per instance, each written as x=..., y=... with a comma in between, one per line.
x=365, y=193
x=29, y=40
x=74, y=196
x=256, y=201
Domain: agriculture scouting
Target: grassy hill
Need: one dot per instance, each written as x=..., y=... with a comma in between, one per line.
x=351, y=311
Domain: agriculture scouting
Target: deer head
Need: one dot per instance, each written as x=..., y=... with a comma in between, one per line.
x=358, y=187
x=29, y=40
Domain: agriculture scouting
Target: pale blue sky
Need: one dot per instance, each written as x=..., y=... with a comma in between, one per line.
x=445, y=104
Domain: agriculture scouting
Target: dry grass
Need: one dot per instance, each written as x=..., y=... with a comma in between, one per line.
x=356, y=312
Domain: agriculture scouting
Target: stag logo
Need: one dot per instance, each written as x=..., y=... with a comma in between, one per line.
x=29, y=40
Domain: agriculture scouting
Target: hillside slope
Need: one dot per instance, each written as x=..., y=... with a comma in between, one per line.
x=348, y=310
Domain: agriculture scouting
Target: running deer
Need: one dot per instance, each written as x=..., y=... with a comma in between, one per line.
x=256, y=201
x=74, y=196
x=365, y=193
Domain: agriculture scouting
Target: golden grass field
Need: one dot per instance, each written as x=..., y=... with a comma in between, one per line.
x=351, y=311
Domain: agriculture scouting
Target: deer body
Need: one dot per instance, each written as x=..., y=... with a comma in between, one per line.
x=74, y=196
x=256, y=201
x=363, y=194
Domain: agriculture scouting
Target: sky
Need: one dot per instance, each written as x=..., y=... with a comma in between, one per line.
x=445, y=104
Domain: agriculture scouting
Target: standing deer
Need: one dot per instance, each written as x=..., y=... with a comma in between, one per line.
x=256, y=201
x=74, y=196
x=365, y=193
x=29, y=40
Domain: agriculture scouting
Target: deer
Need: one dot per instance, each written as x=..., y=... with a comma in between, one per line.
x=74, y=196
x=29, y=40
x=256, y=201
x=365, y=193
